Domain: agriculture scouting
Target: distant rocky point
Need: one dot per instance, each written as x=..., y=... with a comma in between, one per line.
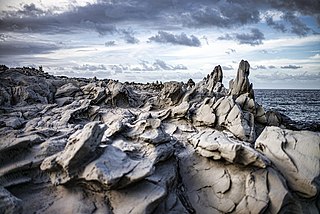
x=76, y=145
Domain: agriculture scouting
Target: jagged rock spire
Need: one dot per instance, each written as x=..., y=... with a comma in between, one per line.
x=241, y=84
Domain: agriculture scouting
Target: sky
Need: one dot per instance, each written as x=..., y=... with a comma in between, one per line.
x=164, y=40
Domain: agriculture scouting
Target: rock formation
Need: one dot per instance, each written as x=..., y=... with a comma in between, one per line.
x=72, y=145
x=241, y=84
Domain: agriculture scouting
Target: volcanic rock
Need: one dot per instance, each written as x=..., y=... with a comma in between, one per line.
x=76, y=145
x=241, y=84
x=296, y=154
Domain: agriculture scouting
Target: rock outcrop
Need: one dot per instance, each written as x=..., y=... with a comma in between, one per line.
x=241, y=83
x=296, y=154
x=71, y=145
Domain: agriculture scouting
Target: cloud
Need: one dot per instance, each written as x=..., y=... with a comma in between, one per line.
x=119, y=68
x=3, y=37
x=220, y=14
x=158, y=65
x=297, y=26
x=30, y=10
x=259, y=67
x=227, y=68
x=163, y=65
x=87, y=67
x=110, y=43
x=83, y=74
x=104, y=16
x=255, y=37
x=226, y=37
x=291, y=67
x=180, y=39
x=279, y=76
x=317, y=56
x=205, y=39
x=305, y=7
x=230, y=50
x=26, y=48
x=271, y=67
x=128, y=36
x=276, y=25
x=92, y=16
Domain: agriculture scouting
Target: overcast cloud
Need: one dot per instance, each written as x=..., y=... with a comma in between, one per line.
x=104, y=16
x=255, y=37
x=179, y=39
x=291, y=67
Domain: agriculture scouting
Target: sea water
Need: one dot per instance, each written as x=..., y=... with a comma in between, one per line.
x=302, y=106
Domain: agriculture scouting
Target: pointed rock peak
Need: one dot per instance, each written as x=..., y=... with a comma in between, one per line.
x=244, y=66
x=213, y=81
x=216, y=75
x=241, y=84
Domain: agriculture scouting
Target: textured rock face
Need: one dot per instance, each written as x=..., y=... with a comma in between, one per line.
x=9, y=203
x=101, y=146
x=241, y=83
x=296, y=154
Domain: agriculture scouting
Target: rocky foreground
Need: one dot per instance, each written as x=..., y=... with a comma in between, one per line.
x=72, y=145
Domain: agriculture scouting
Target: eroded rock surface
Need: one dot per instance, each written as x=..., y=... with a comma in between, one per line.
x=71, y=145
x=296, y=154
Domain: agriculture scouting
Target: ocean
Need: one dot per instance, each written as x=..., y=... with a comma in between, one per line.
x=302, y=106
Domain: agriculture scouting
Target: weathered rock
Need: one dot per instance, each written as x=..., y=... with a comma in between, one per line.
x=111, y=147
x=241, y=84
x=141, y=198
x=204, y=115
x=171, y=94
x=216, y=145
x=75, y=112
x=116, y=120
x=118, y=95
x=210, y=86
x=180, y=110
x=296, y=155
x=246, y=103
x=241, y=124
x=212, y=81
x=80, y=149
x=96, y=92
x=222, y=108
x=260, y=116
x=214, y=187
x=230, y=116
x=8, y=203
x=67, y=90
x=115, y=169
x=148, y=130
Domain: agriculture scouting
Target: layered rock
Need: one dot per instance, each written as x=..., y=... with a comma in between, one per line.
x=88, y=145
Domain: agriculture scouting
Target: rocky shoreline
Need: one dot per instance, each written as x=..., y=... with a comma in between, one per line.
x=73, y=145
